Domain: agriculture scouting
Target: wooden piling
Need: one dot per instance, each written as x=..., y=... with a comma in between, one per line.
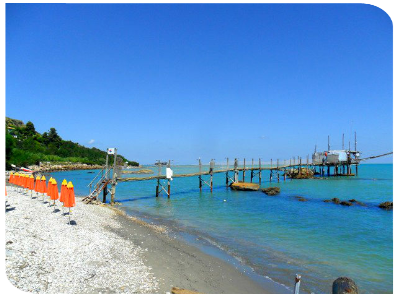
x=227, y=172
x=113, y=191
x=244, y=171
x=158, y=179
x=169, y=181
x=105, y=192
x=169, y=188
x=260, y=171
x=252, y=170
x=200, y=178
x=212, y=168
x=235, y=170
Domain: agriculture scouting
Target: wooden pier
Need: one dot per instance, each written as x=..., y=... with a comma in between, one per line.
x=291, y=167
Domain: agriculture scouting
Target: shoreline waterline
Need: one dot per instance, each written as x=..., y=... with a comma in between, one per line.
x=280, y=236
x=206, y=246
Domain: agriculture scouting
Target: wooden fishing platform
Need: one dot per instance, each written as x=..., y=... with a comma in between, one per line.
x=295, y=167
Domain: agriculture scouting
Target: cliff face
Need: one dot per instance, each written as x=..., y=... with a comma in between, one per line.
x=14, y=123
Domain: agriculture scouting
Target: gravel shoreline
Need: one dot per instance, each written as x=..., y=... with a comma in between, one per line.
x=44, y=254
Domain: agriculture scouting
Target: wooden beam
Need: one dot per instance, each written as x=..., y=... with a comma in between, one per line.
x=188, y=293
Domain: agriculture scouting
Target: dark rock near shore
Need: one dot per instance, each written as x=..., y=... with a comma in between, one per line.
x=356, y=202
x=344, y=285
x=386, y=205
x=302, y=199
x=346, y=203
x=271, y=191
x=333, y=200
x=244, y=187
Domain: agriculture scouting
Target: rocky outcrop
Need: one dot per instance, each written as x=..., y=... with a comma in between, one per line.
x=271, y=191
x=244, y=187
x=48, y=167
x=386, y=205
x=304, y=173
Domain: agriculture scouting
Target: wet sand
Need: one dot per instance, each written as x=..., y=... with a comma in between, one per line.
x=176, y=263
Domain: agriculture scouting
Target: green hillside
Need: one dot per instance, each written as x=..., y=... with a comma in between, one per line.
x=25, y=146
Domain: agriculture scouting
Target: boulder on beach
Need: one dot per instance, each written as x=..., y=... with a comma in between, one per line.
x=344, y=285
x=244, y=186
x=271, y=191
x=386, y=205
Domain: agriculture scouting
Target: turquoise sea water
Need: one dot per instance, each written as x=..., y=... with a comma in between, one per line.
x=279, y=236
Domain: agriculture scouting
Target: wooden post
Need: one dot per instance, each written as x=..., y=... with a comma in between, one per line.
x=355, y=148
x=227, y=172
x=105, y=192
x=307, y=165
x=107, y=164
x=212, y=168
x=235, y=170
x=343, y=141
x=297, y=284
x=300, y=165
x=329, y=147
x=114, y=178
x=169, y=188
x=200, y=178
x=260, y=171
x=158, y=179
x=271, y=175
x=244, y=171
x=278, y=176
x=252, y=170
x=169, y=181
x=344, y=287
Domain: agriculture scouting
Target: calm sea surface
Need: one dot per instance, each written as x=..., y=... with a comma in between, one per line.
x=279, y=236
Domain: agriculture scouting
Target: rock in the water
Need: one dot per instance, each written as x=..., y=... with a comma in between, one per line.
x=334, y=200
x=244, y=186
x=271, y=191
x=386, y=205
x=344, y=285
x=302, y=174
x=356, y=202
x=302, y=199
x=346, y=203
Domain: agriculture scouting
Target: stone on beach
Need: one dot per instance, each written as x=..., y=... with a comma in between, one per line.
x=244, y=186
x=271, y=191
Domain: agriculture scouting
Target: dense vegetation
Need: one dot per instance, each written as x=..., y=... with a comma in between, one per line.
x=25, y=146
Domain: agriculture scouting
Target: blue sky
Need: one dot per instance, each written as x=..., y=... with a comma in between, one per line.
x=212, y=81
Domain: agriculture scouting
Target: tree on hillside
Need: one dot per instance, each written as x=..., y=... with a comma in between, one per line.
x=53, y=136
x=10, y=144
x=29, y=129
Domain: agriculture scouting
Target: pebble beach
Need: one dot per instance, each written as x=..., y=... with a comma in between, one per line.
x=44, y=254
